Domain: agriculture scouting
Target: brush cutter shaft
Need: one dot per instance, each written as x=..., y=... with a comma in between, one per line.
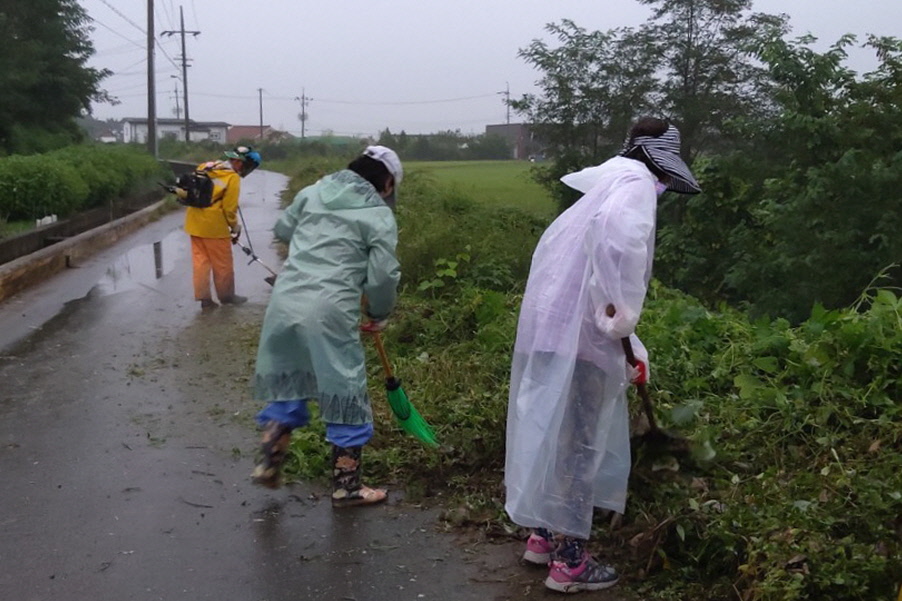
x=249, y=249
x=253, y=257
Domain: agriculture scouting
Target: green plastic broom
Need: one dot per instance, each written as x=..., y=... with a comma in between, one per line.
x=406, y=414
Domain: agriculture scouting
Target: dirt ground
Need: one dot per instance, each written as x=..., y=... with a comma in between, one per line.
x=127, y=439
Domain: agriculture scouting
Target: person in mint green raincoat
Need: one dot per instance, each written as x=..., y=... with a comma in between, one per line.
x=342, y=235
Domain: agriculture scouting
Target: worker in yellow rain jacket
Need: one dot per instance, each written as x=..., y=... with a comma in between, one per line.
x=213, y=229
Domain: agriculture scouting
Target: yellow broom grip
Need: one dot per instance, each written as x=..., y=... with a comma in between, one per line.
x=377, y=340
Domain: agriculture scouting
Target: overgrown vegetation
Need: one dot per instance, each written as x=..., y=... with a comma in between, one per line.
x=794, y=487
x=796, y=153
x=72, y=179
x=804, y=208
x=795, y=490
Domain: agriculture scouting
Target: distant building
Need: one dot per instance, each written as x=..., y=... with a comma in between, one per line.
x=107, y=136
x=255, y=133
x=524, y=144
x=135, y=130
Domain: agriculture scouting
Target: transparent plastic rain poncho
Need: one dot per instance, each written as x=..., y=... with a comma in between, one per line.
x=568, y=425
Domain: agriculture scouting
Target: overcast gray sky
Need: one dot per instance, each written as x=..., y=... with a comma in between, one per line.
x=411, y=65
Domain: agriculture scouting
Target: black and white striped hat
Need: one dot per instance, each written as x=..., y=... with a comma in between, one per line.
x=664, y=152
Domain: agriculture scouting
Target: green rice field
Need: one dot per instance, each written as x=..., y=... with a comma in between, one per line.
x=500, y=183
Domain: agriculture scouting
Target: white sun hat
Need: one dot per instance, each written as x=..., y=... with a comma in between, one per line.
x=389, y=158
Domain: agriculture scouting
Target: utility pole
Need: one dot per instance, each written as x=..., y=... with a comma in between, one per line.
x=151, y=88
x=304, y=101
x=184, y=68
x=507, y=101
x=260, y=93
x=178, y=109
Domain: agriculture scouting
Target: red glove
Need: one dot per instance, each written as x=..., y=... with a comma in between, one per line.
x=639, y=373
x=374, y=326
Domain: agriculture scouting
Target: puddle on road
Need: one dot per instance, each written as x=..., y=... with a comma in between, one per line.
x=141, y=266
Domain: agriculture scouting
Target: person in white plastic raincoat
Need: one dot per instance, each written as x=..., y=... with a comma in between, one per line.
x=567, y=427
x=342, y=236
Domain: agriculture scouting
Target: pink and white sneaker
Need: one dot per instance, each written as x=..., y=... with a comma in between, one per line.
x=538, y=550
x=588, y=575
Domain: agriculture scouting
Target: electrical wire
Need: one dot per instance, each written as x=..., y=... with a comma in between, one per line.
x=124, y=18
x=402, y=103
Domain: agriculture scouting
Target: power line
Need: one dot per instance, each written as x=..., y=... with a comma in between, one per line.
x=105, y=26
x=166, y=54
x=126, y=19
x=117, y=50
x=168, y=15
x=136, y=26
x=404, y=103
x=194, y=10
x=356, y=102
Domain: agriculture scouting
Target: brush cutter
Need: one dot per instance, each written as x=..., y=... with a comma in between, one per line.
x=249, y=251
x=406, y=414
x=271, y=279
x=655, y=433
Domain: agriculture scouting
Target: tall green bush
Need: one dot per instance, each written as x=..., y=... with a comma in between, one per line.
x=34, y=186
x=72, y=179
x=804, y=210
x=795, y=490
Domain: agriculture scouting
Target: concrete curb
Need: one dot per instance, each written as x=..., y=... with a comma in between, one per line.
x=21, y=273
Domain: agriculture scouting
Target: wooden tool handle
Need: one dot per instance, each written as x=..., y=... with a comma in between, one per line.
x=641, y=388
x=380, y=349
x=628, y=351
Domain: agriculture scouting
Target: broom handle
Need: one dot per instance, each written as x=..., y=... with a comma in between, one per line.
x=377, y=340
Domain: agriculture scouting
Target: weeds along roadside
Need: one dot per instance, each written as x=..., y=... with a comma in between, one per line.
x=794, y=490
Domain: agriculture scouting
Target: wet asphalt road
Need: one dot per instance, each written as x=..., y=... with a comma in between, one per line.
x=126, y=441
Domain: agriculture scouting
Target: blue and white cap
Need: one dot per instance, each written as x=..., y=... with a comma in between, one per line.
x=664, y=152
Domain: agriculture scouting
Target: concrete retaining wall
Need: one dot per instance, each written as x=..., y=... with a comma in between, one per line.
x=28, y=270
x=17, y=246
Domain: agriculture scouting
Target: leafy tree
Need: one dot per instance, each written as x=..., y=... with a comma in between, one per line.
x=804, y=210
x=491, y=147
x=828, y=220
x=702, y=51
x=590, y=90
x=44, y=81
x=386, y=138
x=690, y=62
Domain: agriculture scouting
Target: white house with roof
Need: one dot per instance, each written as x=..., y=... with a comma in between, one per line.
x=135, y=130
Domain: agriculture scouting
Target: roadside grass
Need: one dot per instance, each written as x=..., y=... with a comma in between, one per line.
x=504, y=184
x=9, y=229
x=793, y=489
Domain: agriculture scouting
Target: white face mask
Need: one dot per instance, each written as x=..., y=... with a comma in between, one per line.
x=660, y=187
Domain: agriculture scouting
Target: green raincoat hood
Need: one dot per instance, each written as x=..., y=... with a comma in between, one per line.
x=347, y=190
